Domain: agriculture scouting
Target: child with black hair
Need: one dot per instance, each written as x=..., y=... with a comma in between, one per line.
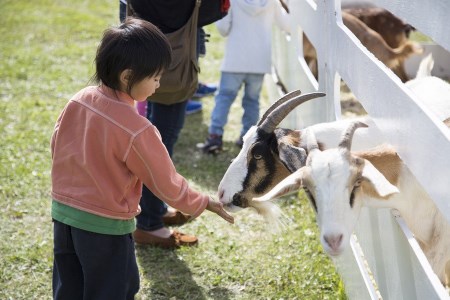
x=102, y=153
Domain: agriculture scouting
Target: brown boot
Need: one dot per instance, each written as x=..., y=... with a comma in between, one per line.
x=175, y=240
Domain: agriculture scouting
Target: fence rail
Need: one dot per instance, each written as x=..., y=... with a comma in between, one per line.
x=384, y=260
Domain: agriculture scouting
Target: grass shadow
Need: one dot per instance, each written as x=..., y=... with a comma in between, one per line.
x=169, y=277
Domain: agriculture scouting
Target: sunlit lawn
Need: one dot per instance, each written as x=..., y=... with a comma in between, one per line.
x=46, y=56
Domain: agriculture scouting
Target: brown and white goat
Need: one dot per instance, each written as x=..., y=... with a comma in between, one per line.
x=339, y=182
x=268, y=155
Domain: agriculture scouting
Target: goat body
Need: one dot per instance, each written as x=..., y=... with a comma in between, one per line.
x=432, y=91
x=393, y=30
x=393, y=58
x=420, y=213
x=380, y=32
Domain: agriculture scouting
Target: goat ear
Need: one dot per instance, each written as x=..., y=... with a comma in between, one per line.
x=289, y=185
x=377, y=180
x=291, y=156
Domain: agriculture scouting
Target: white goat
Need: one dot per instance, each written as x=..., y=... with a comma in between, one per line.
x=431, y=90
x=339, y=182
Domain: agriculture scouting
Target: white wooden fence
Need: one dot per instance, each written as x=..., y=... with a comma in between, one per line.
x=384, y=260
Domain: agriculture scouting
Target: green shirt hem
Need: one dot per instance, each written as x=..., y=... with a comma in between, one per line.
x=90, y=222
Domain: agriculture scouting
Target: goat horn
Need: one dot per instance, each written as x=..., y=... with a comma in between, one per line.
x=279, y=113
x=277, y=103
x=346, y=140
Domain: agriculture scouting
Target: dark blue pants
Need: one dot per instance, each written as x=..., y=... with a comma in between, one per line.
x=122, y=11
x=90, y=265
x=169, y=119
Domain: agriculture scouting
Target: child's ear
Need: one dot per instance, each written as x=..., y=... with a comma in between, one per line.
x=124, y=78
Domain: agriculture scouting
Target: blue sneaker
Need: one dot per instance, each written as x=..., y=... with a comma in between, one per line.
x=193, y=107
x=204, y=90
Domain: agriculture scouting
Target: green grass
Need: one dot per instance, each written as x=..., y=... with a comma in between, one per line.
x=46, y=56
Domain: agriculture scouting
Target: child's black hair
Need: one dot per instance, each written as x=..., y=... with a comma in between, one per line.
x=135, y=44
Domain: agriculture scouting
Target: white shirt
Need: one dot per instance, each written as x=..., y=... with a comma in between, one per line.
x=248, y=28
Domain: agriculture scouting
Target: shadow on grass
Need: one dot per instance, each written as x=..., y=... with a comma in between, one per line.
x=171, y=278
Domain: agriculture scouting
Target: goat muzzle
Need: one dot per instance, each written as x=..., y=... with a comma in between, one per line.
x=239, y=201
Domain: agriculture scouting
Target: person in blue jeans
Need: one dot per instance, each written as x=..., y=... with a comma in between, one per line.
x=230, y=83
x=247, y=59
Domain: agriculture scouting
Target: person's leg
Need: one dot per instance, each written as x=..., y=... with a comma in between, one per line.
x=109, y=264
x=193, y=107
x=203, y=89
x=169, y=119
x=152, y=211
x=122, y=11
x=250, y=101
x=230, y=84
x=67, y=272
x=196, y=106
x=201, y=42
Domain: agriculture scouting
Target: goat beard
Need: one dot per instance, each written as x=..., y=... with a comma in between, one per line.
x=272, y=214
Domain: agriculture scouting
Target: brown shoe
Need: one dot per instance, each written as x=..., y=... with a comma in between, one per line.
x=178, y=219
x=175, y=240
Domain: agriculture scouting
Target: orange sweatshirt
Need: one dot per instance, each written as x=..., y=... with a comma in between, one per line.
x=102, y=152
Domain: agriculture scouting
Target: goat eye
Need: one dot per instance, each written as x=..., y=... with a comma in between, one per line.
x=257, y=151
x=257, y=156
x=352, y=194
x=352, y=198
x=231, y=160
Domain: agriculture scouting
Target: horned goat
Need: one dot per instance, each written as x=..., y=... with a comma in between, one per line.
x=269, y=154
x=339, y=182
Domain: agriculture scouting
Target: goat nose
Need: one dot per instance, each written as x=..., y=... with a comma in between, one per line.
x=333, y=240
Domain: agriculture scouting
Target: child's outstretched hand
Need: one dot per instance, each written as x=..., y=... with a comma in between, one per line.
x=217, y=207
